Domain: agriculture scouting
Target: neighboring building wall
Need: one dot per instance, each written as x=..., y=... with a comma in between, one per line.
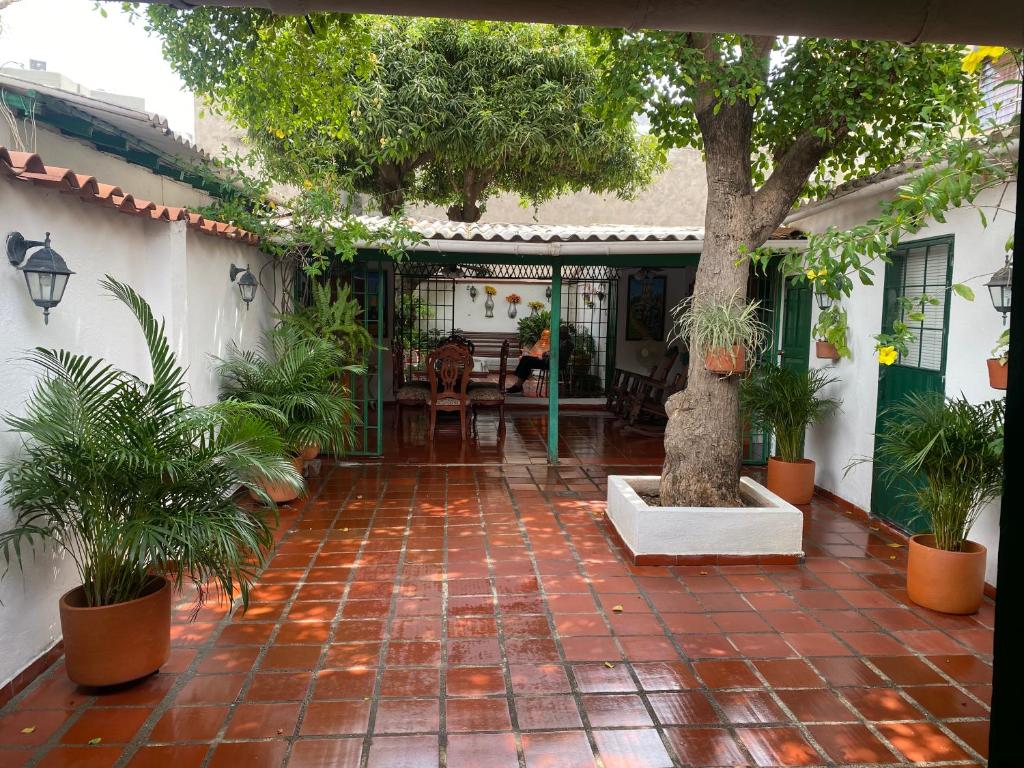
x=183, y=274
x=677, y=197
x=58, y=150
x=973, y=329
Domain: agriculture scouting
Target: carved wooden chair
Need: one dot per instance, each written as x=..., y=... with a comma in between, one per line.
x=448, y=370
x=492, y=395
x=407, y=394
x=651, y=407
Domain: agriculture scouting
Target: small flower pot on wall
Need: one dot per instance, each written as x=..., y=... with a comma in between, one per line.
x=948, y=582
x=113, y=644
x=791, y=480
x=726, y=363
x=826, y=350
x=997, y=373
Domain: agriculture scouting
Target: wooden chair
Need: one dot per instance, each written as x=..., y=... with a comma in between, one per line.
x=628, y=386
x=448, y=370
x=649, y=401
x=488, y=395
x=407, y=394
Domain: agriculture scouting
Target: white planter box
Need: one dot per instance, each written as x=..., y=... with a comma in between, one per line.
x=770, y=530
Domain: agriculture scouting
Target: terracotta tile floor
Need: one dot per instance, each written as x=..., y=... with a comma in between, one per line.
x=480, y=616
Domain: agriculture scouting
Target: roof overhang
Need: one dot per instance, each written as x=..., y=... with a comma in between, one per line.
x=998, y=22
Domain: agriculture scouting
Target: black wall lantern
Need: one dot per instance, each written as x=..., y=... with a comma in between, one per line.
x=822, y=298
x=46, y=272
x=247, y=283
x=999, y=289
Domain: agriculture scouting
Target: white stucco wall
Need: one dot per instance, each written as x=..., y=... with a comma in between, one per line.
x=184, y=276
x=973, y=329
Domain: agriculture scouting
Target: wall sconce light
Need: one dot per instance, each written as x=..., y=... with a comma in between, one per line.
x=822, y=298
x=247, y=283
x=46, y=272
x=999, y=288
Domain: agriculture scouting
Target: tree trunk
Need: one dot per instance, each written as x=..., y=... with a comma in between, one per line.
x=702, y=446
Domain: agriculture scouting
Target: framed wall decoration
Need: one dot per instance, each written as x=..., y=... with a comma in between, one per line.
x=645, y=308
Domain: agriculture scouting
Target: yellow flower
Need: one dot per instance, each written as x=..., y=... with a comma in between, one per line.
x=974, y=59
x=887, y=355
x=811, y=274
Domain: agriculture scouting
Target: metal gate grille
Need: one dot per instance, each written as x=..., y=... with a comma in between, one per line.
x=588, y=329
x=367, y=281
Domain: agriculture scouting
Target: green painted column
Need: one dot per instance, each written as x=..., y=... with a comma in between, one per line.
x=553, y=365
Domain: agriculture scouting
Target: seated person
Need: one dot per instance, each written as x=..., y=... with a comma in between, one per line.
x=538, y=356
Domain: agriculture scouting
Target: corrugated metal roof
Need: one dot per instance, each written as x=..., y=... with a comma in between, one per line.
x=438, y=229
x=29, y=167
x=150, y=129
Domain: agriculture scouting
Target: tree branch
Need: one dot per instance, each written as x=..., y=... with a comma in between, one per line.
x=778, y=194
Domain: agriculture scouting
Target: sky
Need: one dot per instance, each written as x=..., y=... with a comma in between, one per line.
x=110, y=53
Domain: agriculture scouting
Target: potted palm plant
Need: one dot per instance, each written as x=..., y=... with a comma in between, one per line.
x=785, y=402
x=332, y=315
x=997, y=364
x=948, y=453
x=725, y=332
x=301, y=378
x=134, y=484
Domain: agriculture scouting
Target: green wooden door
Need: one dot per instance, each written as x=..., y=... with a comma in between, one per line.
x=795, y=334
x=918, y=268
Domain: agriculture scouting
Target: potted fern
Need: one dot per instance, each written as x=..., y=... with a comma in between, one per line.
x=997, y=364
x=830, y=334
x=301, y=378
x=948, y=454
x=785, y=402
x=725, y=332
x=133, y=484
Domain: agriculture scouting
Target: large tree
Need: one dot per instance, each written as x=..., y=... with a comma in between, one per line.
x=777, y=120
x=426, y=110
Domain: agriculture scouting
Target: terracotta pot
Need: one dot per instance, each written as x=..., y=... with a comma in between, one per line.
x=791, y=480
x=113, y=644
x=721, y=361
x=310, y=453
x=282, y=494
x=948, y=582
x=997, y=373
x=826, y=350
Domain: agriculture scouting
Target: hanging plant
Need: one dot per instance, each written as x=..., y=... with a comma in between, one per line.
x=535, y=307
x=490, y=290
x=513, y=299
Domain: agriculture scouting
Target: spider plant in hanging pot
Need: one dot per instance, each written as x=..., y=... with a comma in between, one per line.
x=948, y=454
x=726, y=332
x=134, y=485
x=830, y=333
x=785, y=402
x=299, y=377
x=998, y=364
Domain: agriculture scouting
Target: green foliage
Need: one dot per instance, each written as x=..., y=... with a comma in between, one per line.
x=707, y=324
x=301, y=378
x=334, y=318
x=832, y=327
x=900, y=335
x=786, y=402
x=1001, y=351
x=433, y=110
x=864, y=101
x=531, y=326
x=129, y=479
x=950, y=451
x=413, y=311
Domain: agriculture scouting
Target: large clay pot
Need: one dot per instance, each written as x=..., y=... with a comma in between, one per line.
x=726, y=363
x=826, y=350
x=997, y=373
x=280, y=493
x=948, y=582
x=791, y=480
x=113, y=644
